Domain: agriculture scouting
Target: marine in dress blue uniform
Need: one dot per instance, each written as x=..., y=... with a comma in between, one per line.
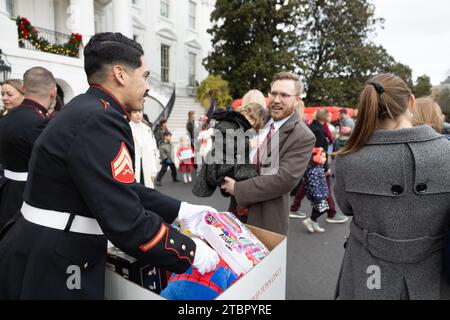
x=18, y=132
x=81, y=191
x=82, y=165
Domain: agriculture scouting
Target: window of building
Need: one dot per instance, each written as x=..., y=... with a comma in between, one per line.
x=165, y=62
x=10, y=7
x=192, y=14
x=192, y=64
x=165, y=8
x=99, y=23
x=100, y=17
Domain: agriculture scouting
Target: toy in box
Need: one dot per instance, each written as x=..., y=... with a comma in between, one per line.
x=233, y=241
x=192, y=285
x=145, y=275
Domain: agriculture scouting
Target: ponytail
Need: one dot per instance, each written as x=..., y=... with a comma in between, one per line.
x=384, y=96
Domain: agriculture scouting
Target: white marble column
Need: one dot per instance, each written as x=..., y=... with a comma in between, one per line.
x=81, y=18
x=3, y=7
x=122, y=16
x=8, y=29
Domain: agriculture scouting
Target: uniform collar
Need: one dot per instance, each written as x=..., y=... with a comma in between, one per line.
x=104, y=94
x=416, y=134
x=30, y=103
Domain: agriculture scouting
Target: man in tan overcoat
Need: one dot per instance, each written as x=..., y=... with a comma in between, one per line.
x=285, y=149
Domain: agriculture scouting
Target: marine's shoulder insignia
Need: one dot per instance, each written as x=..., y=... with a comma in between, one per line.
x=122, y=166
x=105, y=104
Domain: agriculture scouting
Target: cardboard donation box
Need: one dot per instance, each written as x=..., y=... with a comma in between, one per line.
x=265, y=281
x=146, y=276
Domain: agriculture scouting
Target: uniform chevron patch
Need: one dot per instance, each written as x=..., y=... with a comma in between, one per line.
x=122, y=166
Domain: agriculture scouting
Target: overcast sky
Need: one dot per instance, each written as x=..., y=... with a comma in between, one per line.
x=417, y=33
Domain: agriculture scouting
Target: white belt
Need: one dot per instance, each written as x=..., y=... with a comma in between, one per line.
x=58, y=220
x=16, y=176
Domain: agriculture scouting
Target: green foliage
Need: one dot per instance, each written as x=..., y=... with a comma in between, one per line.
x=401, y=70
x=422, y=87
x=214, y=87
x=442, y=97
x=252, y=40
x=29, y=33
x=327, y=42
x=334, y=53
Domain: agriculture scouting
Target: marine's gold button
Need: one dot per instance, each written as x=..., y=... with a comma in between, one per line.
x=183, y=247
x=172, y=242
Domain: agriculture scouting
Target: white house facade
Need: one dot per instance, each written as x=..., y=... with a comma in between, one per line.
x=173, y=34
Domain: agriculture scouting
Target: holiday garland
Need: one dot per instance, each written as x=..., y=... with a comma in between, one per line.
x=28, y=32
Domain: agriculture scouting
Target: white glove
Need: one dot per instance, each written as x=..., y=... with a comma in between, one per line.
x=206, y=259
x=191, y=216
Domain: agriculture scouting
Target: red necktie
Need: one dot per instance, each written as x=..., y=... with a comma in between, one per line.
x=262, y=148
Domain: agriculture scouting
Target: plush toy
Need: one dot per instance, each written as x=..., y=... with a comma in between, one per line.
x=191, y=285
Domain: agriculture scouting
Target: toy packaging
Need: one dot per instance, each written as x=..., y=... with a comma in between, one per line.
x=144, y=275
x=233, y=241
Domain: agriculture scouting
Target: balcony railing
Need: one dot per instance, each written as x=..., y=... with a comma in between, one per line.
x=165, y=114
x=41, y=39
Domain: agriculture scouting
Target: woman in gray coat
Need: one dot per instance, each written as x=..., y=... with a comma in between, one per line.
x=395, y=181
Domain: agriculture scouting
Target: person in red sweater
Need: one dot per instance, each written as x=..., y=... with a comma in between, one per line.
x=185, y=154
x=328, y=133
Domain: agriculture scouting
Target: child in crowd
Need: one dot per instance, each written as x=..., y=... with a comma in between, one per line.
x=185, y=154
x=204, y=137
x=255, y=114
x=145, y=150
x=316, y=189
x=165, y=154
x=250, y=117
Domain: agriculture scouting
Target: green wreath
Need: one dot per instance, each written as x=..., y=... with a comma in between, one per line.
x=28, y=33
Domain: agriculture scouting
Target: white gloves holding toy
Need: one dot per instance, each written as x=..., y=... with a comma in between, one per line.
x=190, y=217
x=206, y=259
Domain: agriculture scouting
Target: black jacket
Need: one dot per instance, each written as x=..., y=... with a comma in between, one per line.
x=190, y=129
x=237, y=166
x=19, y=129
x=321, y=138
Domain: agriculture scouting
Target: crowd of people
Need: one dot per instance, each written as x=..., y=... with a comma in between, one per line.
x=78, y=175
